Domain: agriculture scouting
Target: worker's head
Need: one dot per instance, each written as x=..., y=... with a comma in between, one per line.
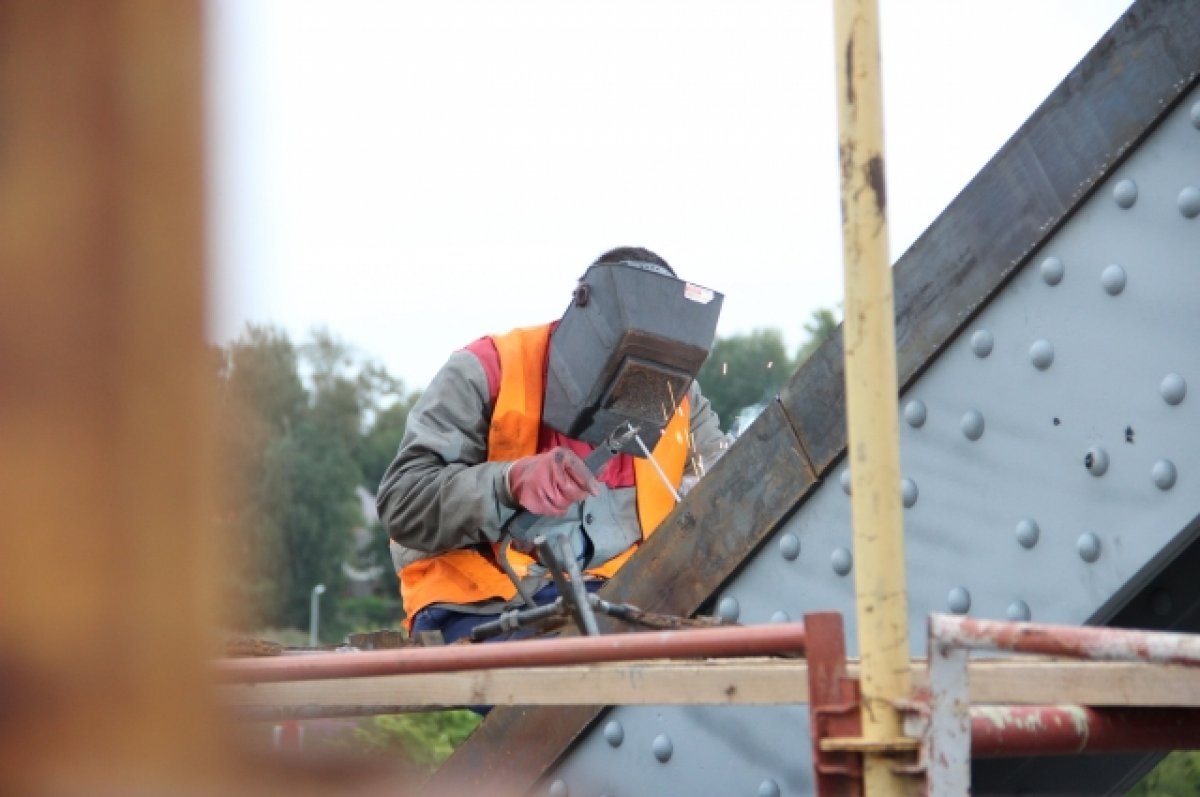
x=627, y=348
x=637, y=257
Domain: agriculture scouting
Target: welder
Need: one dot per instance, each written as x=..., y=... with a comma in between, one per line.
x=506, y=423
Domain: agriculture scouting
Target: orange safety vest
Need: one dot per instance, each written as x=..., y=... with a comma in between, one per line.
x=465, y=575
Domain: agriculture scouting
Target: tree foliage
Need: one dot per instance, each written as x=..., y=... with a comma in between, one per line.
x=424, y=739
x=819, y=328
x=743, y=370
x=1177, y=775
x=303, y=428
x=750, y=369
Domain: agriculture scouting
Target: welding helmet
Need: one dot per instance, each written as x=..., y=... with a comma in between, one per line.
x=627, y=349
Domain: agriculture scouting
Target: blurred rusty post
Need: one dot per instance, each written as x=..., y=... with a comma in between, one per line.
x=107, y=576
x=871, y=395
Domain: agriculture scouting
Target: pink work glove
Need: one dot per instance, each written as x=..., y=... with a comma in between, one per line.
x=548, y=483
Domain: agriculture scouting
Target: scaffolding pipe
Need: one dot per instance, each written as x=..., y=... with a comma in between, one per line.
x=871, y=393
x=781, y=638
x=1081, y=642
x=1009, y=731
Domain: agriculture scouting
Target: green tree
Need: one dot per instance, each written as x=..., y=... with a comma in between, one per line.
x=743, y=370
x=750, y=369
x=382, y=438
x=261, y=398
x=310, y=480
x=303, y=428
x=819, y=328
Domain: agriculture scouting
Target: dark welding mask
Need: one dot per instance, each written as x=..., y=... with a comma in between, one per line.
x=626, y=350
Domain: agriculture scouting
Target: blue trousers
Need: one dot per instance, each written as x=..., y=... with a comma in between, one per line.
x=456, y=625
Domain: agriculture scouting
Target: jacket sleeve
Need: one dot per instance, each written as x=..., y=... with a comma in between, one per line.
x=440, y=492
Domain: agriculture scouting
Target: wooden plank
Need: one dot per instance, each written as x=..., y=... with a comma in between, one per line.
x=729, y=513
x=1110, y=101
x=1084, y=683
x=711, y=682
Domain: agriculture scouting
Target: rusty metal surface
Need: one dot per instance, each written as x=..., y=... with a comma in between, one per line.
x=1070, y=730
x=1086, y=642
x=834, y=707
x=702, y=642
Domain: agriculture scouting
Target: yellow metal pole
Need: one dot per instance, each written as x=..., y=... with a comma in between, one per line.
x=871, y=403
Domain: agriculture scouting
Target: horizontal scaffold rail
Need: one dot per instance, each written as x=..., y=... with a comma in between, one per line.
x=782, y=638
x=1083, y=642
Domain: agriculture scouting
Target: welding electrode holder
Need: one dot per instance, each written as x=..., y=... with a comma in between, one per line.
x=556, y=552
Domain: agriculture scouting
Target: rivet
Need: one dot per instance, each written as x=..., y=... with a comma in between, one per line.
x=781, y=617
x=909, y=492
x=662, y=748
x=842, y=561
x=972, y=424
x=914, y=413
x=728, y=609
x=844, y=479
x=1018, y=612
x=558, y=789
x=1161, y=603
x=1028, y=532
x=1113, y=279
x=789, y=546
x=982, y=342
x=959, y=600
x=1125, y=192
x=768, y=788
x=1189, y=202
x=1088, y=546
x=1164, y=474
x=614, y=734
x=1053, y=270
x=1173, y=388
x=1041, y=354
x=1096, y=461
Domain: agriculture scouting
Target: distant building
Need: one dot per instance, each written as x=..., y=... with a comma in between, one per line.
x=366, y=580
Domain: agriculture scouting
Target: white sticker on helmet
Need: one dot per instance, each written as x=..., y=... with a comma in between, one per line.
x=697, y=293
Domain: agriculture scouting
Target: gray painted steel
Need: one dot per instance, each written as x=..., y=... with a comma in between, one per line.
x=1053, y=453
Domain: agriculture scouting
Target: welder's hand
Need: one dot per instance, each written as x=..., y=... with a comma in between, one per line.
x=548, y=483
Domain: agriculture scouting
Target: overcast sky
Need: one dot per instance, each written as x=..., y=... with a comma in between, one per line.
x=412, y=175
